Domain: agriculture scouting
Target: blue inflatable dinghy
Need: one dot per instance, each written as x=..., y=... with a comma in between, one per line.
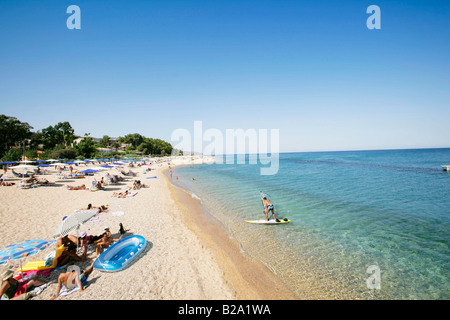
x=120, y=254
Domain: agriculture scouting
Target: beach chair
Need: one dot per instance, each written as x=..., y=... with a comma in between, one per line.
x=94, y=185
x=40, y=265
x=134, y=174
x=17, y=175
x=60, y=176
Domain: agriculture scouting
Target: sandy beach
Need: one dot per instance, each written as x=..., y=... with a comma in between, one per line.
x=189, y=257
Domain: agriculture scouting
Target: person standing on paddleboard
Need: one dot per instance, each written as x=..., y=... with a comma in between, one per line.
x=268, y=206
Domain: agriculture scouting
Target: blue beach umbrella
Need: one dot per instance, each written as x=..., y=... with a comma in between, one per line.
x=23, y=249
x=88, y=171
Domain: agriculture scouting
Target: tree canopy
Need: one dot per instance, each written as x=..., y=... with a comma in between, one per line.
x=60, y=134
x=17, y=139
x=12, y=133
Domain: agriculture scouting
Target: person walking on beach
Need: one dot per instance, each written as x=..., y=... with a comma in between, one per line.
x=268, y=206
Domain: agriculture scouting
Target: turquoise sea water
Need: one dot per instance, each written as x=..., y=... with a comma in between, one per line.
x=349, y=211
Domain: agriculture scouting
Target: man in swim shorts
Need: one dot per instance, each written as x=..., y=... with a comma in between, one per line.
x=268, y=206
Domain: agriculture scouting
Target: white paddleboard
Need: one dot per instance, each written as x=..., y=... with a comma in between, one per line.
x=268, y=222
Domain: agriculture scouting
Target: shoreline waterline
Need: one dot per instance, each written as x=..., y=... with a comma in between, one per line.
x=349, y=211
x=250, y=279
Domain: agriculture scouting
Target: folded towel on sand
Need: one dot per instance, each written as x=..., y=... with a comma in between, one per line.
x=95, y=219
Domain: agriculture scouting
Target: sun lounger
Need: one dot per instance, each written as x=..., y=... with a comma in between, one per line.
x=77, y=176
x=25, y=185
x=40, y=265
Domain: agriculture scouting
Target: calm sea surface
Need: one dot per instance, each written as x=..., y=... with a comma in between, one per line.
x=349, y=211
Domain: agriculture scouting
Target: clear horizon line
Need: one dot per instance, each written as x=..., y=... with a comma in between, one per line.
x=389, y=149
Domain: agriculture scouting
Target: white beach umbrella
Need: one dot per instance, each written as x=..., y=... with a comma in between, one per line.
x=99, y=168
x=72, y=222
x=59, y=164
x=23, y=166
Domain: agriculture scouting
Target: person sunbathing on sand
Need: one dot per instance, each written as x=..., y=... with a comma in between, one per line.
x=102, y=208
x=82, y=187
x=31, y=180
x=70, y=247
x=137, y=185
x=13, y=288
x=104, y=242
x=72, y=279
x=121, y=194
x=44, y=181
x=6, y=184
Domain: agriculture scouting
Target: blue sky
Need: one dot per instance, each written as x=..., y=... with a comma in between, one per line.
x=311, y=69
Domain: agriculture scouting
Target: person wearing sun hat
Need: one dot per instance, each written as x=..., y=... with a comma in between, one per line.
x=84, y=243
x=9, y=285
x=11, y=288
x=6, y=274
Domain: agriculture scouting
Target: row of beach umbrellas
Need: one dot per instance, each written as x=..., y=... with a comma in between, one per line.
x=23, y=249
x=91, y=170
x=71, y=161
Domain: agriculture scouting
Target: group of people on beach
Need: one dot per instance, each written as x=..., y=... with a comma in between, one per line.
x=75, y=249
x=136, y=186
x=30, y=179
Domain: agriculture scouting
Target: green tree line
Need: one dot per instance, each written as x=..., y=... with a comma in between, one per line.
x=17, y=139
